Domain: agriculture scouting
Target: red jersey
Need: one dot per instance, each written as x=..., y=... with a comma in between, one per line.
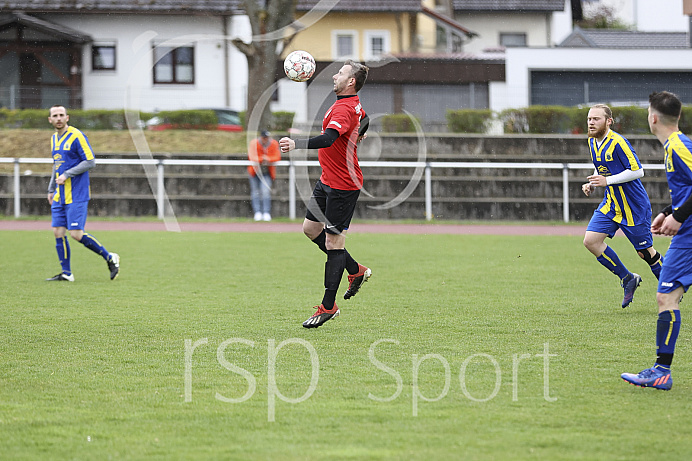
x=339, y=162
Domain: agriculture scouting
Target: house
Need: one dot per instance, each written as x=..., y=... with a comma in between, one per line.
x=158, y=54
x=591, y=65
x=408, y=73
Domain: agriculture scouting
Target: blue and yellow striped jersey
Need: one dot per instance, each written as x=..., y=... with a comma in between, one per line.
x=625, y=203
x=68, y=151
x=678, y=161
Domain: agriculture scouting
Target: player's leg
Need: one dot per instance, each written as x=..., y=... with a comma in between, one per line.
x=642, y=240
x=676, y=277
x=598, y=229
x=313, y=227
x=76, y=219
x=62, y=245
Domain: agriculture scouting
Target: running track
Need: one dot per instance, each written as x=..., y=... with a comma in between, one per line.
x=469, y=229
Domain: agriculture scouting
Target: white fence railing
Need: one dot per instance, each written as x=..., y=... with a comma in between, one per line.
x=160, y=164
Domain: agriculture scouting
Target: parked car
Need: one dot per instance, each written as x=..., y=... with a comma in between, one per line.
x=227, y=120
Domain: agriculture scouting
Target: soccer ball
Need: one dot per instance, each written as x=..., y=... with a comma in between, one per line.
x=299, y=66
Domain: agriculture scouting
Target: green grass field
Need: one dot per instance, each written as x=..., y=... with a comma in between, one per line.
x=100, y=370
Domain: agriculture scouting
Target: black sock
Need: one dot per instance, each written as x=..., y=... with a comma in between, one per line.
x=333, y=270
x=320, y=241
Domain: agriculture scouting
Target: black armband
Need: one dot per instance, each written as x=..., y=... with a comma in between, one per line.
x=324, y=140
x=667, y=210
x=683, y=211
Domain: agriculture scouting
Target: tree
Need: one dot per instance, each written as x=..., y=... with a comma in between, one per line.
x=267, y=19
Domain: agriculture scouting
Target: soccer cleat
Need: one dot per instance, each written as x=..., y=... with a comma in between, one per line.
x=630, y=286
x=61, y=277
x=356, y=281
x=651, y=377
x=321, y=316
x=114, y=265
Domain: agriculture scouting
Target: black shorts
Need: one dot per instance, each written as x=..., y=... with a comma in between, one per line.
x=333, y=207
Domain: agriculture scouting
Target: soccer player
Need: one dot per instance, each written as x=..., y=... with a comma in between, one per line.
x=676, y=276
x=334, y=197
x=68, y=194
x=625, y=204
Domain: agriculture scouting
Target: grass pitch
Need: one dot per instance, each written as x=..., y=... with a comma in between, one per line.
x=459, y=347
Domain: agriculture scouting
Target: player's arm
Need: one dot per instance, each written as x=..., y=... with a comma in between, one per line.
x=51, y=185
x=364, y=125
x=81, y=167
x=318, y=142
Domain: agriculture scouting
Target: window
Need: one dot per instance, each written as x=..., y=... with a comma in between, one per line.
x=103, y=57
x=174, y=65
x=377, y=43
x=344, y=44
x=512, y=40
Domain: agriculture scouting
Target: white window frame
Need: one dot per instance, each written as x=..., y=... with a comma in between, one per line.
x=386, y=42
x=335, y=45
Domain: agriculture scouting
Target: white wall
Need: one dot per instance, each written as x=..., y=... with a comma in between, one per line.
x=514, y=92
x=131, y=84
x=489, y=26
x=561, y=24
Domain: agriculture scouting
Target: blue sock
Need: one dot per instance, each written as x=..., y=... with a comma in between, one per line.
x=94, y=245
x=609, y=259
x=62, y=245
x=667, y=329
x=656, y=268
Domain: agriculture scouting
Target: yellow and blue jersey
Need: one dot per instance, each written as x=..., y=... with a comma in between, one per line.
x=68, y=151
x=625, y=203
x=678, y=161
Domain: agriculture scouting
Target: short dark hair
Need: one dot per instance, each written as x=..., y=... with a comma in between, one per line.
x=57, y=105
x=667, y=104
x=359, y=72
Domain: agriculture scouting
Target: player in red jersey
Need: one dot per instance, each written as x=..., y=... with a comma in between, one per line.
x=334, y=197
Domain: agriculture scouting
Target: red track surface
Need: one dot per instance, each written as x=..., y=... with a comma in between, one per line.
x=296, y=227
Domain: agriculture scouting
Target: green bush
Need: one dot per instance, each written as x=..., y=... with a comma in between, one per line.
x=630, y=120
x=686, y=120
x=468, y=120
x=189, y=119
x=398, y=123
x=281, y=121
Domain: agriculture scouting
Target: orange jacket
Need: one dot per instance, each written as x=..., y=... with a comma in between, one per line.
x=258, y=153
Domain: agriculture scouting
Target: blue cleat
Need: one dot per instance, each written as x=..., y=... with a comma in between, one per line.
x=630, y=285
x=651, y=377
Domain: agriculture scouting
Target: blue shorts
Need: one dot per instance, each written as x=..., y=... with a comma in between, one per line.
x=73, y=216
x=676, y=271
x=640, y=235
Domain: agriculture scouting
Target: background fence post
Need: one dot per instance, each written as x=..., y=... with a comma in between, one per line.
x=17, y=197
x=291, y=190
x=160, y=204
x=565, y=193
x=428, y=193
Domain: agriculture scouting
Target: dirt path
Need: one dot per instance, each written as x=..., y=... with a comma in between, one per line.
x=478, y=229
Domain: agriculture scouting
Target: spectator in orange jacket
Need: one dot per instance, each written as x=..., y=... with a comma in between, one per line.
x=263, y=153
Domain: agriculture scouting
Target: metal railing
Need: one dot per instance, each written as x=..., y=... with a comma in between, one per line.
x=160, y=164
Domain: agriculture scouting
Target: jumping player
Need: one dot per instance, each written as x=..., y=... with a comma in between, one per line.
x=334, y=197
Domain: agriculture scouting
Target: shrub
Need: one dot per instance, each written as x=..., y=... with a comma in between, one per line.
x=468, y=120
x=398, y=123
x=189, y=119
x=281, y=121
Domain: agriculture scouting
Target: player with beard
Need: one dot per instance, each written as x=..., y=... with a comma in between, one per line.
x=625, y=204
x=334, y=197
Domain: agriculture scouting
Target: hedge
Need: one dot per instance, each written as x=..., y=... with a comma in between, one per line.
x=469, y=120
x=534, y=119
x=398, y=123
